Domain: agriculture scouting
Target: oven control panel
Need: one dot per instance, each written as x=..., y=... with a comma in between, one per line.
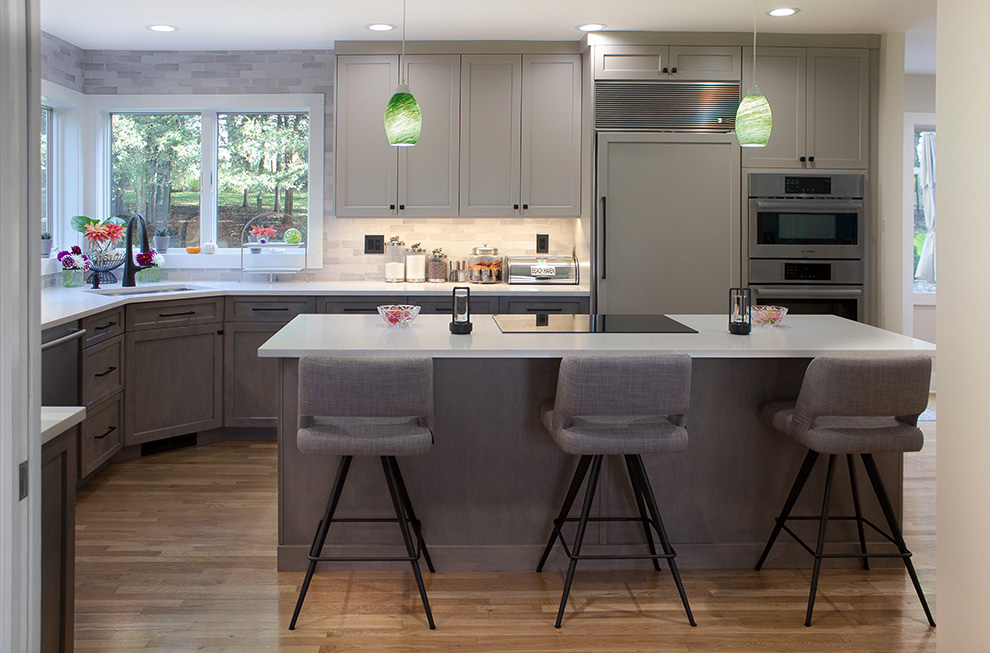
x=807, y=271
x=800, y=271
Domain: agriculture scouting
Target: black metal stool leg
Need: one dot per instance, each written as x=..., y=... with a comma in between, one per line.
x=417, y=526
x=589, y=496
x=895, y=530
x=388, y=464
x=638, y=493
x=802, y=478
x=859, y=513
x=651, y=502
x=820, y=549
x=579, y=474
x=321, y=535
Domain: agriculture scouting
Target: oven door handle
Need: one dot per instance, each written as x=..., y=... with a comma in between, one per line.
x=810, y=205
x=807, y=293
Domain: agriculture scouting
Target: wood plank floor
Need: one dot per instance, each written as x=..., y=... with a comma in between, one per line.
x=176, y=552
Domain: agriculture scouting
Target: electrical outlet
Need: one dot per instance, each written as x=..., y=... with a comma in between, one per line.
x=374, y=244
x=542, y=243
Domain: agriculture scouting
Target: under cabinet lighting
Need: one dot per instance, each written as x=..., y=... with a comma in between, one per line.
x=163, y=28
x=780, y=12
x=380, y=27
x=591, y=27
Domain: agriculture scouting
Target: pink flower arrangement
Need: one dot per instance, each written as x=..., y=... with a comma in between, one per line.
x=74, y=259
x=266, y=232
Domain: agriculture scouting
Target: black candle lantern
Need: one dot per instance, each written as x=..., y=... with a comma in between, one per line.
x=740, y=315
x=461, y=311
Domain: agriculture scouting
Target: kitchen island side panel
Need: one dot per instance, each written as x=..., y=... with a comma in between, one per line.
x=489, y=488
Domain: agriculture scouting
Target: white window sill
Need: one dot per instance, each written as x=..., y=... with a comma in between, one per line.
x=924, y=298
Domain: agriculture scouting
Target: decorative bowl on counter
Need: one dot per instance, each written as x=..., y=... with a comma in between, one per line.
x=768, y=315
x=398, y=315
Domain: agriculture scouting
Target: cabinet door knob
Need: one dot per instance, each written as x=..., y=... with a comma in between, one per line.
x=525, y=207
x=402, y=207
x=811, y=158
x=515, y=207
x=803, y=159
x=664, y=69
x=674, y=70
x=391, y=207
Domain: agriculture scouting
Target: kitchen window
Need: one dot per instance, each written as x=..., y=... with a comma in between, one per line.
x=47, y=146
x=201, y=167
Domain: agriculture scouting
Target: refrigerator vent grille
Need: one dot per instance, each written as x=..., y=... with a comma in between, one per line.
x=665, y=106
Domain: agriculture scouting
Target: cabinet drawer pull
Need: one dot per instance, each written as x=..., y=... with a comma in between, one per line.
x=557, y=309
x=351, y=309
x=106, y=326
x=109, y=431
x=105, y=373
x=270, y=309
x=176, y=314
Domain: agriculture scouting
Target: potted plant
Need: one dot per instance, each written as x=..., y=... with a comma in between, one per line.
x=161, y=239
x=151, y=262
x=74, y=265
x=46, y=244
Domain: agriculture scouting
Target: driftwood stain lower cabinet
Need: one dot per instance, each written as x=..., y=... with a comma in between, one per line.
x=58, y=541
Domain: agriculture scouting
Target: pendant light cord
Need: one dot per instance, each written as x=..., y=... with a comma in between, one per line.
x=402, y=56
x=754, y=38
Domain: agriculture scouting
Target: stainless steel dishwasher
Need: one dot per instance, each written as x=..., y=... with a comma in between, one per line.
x=60, y=364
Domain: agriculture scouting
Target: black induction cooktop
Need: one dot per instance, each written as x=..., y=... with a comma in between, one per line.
x=594, y=323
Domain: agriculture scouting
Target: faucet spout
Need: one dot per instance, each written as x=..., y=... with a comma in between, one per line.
x=130, y=267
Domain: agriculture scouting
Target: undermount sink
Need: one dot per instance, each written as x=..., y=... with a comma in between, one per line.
x=144, y=290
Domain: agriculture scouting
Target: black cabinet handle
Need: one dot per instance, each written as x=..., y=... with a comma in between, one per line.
x=664, y=69
x=176, y=314
x=603, y=238
x=515, y=207
x=525, y=207
x=803, y=159
x=220, y=332
x=352, y=309
x=811, y=158
x=544, y=310
x=391, y=207
x=106, y=326
x=270, y=309
x=674, y=69
x=402, y=207
x=109, y=431
x=105, y=373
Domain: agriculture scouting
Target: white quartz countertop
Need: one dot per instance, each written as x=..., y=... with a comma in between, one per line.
x=800, y=336
x=58, y=419
x=60, y=305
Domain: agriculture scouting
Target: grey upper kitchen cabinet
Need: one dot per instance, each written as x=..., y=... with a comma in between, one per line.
x=374, y=179
x=820, y=103
x=520, y=135
x=660, y=62
x=668, y=227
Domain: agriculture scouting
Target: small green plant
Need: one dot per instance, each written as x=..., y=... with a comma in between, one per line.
x=161, y=232
x=46, y=235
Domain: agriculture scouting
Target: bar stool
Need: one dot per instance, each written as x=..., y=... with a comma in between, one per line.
x=618, y=405
x=367, y=407
x=853, y=405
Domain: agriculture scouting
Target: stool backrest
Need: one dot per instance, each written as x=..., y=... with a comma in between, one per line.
x=365, y=387
x=864, y=386
x=651, y=384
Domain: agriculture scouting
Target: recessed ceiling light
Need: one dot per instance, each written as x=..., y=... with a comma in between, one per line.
x=783, y=11
x=163, y=28
x=380, y=27
x=591, y=27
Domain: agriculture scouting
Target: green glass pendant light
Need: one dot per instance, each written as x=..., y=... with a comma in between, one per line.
x=754, y=120
x=403, y=119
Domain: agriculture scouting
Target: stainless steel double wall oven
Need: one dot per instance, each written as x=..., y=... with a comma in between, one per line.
x=806, y=242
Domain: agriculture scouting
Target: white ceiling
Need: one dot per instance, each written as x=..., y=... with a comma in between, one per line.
x=316, y=24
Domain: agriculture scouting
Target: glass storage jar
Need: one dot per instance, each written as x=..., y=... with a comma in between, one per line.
x=485, y=265
x=415, y=263
x=395, y=260
x=437, y=268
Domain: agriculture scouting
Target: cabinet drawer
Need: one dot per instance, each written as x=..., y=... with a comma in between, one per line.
x=267, y=309
x=102, y=370
x=437, y=305
x=101, y=435
x=102, y=327
x=342, y=305
x=513, y=305
x=156, y=315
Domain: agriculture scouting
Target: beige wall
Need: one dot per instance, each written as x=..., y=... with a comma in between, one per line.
x=964, y=347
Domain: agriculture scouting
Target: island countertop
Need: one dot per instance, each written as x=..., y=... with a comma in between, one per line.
x=800, y=336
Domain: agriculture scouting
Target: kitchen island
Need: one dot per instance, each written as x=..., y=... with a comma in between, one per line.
x=489, y=488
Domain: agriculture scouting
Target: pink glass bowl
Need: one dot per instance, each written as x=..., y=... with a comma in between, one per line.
x=398, y=315
x=768, y=315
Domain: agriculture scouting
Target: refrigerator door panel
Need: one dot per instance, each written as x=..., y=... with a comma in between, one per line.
x=670, y=240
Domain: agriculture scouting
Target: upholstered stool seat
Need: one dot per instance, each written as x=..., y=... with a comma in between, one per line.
x=853, y=405
x=618, y=405
x=369, y=406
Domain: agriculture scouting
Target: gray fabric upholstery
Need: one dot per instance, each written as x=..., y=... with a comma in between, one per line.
x=620, y=404
x=365, y=405
x=857, y=405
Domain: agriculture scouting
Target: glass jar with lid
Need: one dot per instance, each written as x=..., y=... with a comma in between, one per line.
x=395, y=260
x=485, y=265
x=415, y=263
x=437, y=268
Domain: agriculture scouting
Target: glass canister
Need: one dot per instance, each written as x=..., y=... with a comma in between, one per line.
x=437, y=268
x=415, y=263
x=485, y=265
x=395, y=260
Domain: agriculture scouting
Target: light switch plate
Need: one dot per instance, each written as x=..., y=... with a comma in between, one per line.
x=542, y=243
x=374, y=244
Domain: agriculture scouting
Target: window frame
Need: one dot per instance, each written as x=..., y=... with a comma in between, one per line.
x=208, y=106
x=66, y=136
